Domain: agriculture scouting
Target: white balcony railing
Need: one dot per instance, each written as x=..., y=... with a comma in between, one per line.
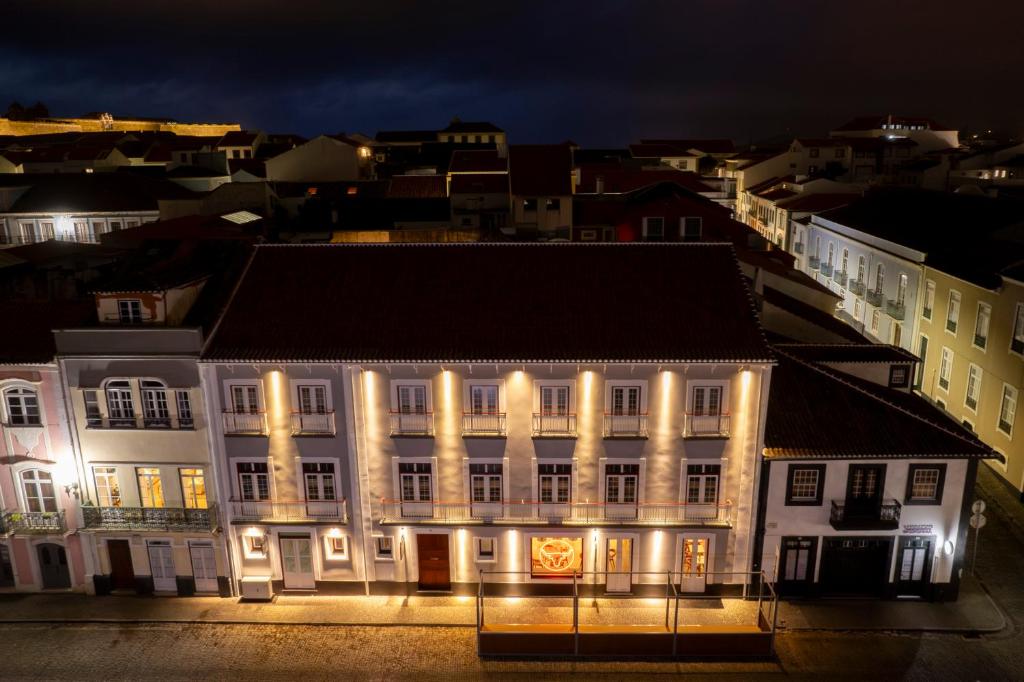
x=313, y=424
x=490, y=424
x=524, y=511
x=554, y=425
x=625, y=426
x=707, y=425
x=267, y=511
x=245, y=423
x=412, y=423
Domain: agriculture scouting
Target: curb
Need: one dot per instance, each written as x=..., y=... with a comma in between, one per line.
x=182, y=621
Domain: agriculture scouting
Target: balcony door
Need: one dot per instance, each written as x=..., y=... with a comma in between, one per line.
x=702, y=489
x=625, y=412
x=554, y=409
x=416, y=489
x=321, y=491
x=485, y=484
x=204, y=567
x=913, y=566
x=554, y=486
x=693, y=563
x=161, y=563
x=864, y=489
x=706, y=410
x=621, y=482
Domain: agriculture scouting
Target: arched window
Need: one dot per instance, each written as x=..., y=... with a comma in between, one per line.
x=879, y=277
x=120, y=408
x=22, y=405
x=155, y=412
x=39, y=493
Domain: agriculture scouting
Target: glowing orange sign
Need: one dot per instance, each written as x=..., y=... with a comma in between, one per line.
x=556, y=556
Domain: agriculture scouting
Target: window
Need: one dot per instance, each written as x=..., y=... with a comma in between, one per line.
x=256, y=545
x=899, y=376
x=620, y=483
x=108, y=490
x=485, y=482
x=858, y=308
x=953, y=311
x=692, y=228
x=625, y=401
x=155, y=413
x=319, y=481
x=706, y=401
x=415, y=481
x=875, y=318
x=945, y=368
x=973, y=388
x=1007, y=409
x=1017, y=342
x=879, y=278
x=92, y=408
x=244, y=398
x=805, y=483
x=151, y=490
x=901, y=290
x=529, y=205
x=115, y=225
x=929, y=300
x=702, y=483
x=184, y=402
x=412, y=399
x=831, y=254
x=39, y=493
x=554, y=401
x=896, y=335
x=193, y=488
x=981, y=323
x=383, y=547
x=486, y=549
x=845, y=261
x=129, y=311
x=120, y=408
x=553, y=204
x=22, y=407
x=312, y=399
x=253, y=481
x=483, y=399
x=654, y=229
x=924, y=483
x=861, y=269
x=555, y=483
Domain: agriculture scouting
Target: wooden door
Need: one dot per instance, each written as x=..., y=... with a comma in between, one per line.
x=435, y=571
x=122, y=573
x=53, y=566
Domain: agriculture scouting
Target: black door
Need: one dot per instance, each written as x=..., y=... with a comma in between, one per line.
x=913, y=566
x=864, y=491
x=6, y=570
x=122, y=573
x=53, y=566
x=796, y=566
x=854, y=567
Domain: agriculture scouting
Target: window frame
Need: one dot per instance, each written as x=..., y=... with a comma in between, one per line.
x=379, y=553
x=229, y=401
x=478, y=554
x=820, y=485
x=967, y=387
x=999, y=414
x=939, y=487
x=116, y=498
x=928, y=305
x=1018, y=322
x=22, y=393
x=958, y=297
x=982, y=305
x=189, y=498
x=37, y=482
x=948, y=378
x=689, y=236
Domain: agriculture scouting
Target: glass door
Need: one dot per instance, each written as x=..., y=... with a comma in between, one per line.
x=619, y=564
x=161, y=563
x=297, y=563
x=694, y=564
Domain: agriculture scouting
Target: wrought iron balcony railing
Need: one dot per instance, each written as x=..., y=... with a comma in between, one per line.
x=34, y=522
x=798, y=248
x=874, y=297
x=150, y=518
x=846, y=515
x=826, y=269
x=980, y=341
x=895, y=309
x=139, y=421
x=707, y=426
x=313, y=424
x=625, y=426
x=926, y=313
x=245, y=423
x=814, y=262
x=566, y=513
x=554, y=425
x=412, y=423
x=483, y=424
x=856, y=288
x=951, y=325
x=267, y=511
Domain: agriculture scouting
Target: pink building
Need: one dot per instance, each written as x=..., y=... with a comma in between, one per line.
x=40, y=547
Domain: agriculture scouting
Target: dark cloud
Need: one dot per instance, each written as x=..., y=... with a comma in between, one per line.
x=599, y=72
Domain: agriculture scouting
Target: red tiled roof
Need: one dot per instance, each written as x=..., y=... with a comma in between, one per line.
x=818, y=202
x=36, y=322
x=540, y=170
x=567, y=310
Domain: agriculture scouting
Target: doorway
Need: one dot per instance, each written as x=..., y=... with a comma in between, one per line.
x=53, y=566
x=855, y=567
x=6, y=569
x=693, y=565
x=434, y=563
x=297, y=562
x=913, y=566
x=864, y=491
x=161, y=564
x=619, y=564
x=796, y=566
x=204, y=567
x=122, y=573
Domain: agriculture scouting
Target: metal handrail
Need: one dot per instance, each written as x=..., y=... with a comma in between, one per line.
x=289, y=510
x=312, y=423
x=635, y=513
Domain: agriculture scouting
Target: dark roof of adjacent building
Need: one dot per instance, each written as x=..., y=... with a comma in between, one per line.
x=623, y=179
x=457, y=126
x=238, y=138
x=480, y=183
x=471, y=302
x=418, y=187
x=808, y=312
x=709, y=146
x=540, y=169
x=36, y=321
x=821, y=201
x=849, y=352
x=478, y=161
x=877, y=422
x=93, y=192
x=408, y=136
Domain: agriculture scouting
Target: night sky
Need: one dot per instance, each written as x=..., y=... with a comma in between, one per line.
x=600, y=73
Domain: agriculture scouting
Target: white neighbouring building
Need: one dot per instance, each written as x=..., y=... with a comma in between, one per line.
x=435, y=418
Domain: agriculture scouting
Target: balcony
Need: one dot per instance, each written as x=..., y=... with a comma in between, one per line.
x=980, y=341
x=874, y=297
x=545, y=513
x=895, y=309
x=826, y=269
x=839, y=276
x=707, y=426
x=412, y=423
x=313, y=424
x=857, y=288
x=1017, y=346
x=813, y=262
x=845, y=516
x=798, y=248
x=554, y=425
x=303, y=511
x=926, y=313
x=245, y=423
x=625, y=426
x=19, y=523
x=162, y=423
x=115, y=318
x=483, y=425
x=951, y=325
x=150, y=518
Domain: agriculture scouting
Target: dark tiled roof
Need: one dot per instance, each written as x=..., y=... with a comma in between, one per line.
x=477, y=161
x=805, y=401
x=480, y=183
x=541, y=170
x=418, y=187
x=808, y=312
x=238, y=138
x=34, y=340
x=710, y=146
x=457, y=126
x=475, y=302
x=813, y=203
x=849, y=352
x=99, y=192
x=620, y=179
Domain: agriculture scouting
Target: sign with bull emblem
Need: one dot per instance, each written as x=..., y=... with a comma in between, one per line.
x=555, y=557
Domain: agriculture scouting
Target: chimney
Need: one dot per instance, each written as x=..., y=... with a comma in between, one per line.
x=599, y=184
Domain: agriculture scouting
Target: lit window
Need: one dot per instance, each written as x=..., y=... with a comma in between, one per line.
x=981, y=323
x=486, y=549
x=108, y=490
x=805, y=484
x=383, y=547
x=953, y=311
x=257, y=545
x=1007, y=409
x=973, y=387
x=924, y=483
x=151, y=490
x=945, y=368
x=193, y=488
